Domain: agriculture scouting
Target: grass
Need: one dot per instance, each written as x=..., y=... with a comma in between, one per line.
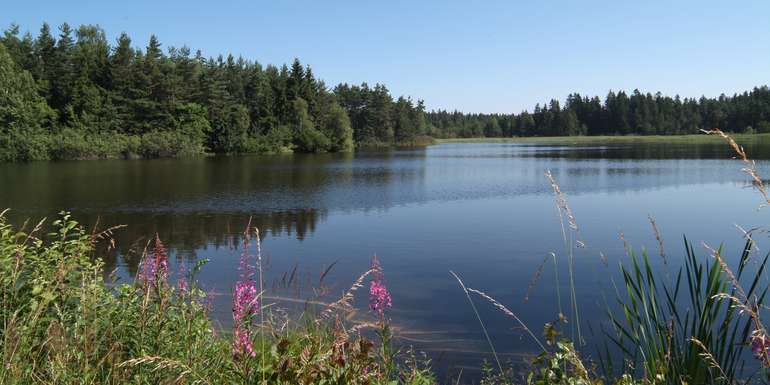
x=61, y=324
x=658, y=321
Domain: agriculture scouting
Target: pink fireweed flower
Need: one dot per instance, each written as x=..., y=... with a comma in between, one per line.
x=760, y=346
x=245, y=305
x=155, y=266
x=245, y=301
x=379, y=297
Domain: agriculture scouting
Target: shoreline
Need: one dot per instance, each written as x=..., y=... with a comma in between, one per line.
x=687, y=138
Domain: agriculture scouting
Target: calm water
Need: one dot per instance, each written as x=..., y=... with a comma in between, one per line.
x=483, y=210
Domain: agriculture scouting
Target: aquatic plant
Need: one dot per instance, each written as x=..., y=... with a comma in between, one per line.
x=657, y=321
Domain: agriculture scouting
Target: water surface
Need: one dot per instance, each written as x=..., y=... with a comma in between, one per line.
x=482, y=210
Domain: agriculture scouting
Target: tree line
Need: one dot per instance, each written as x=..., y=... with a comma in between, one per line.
x=75, y=95
x=71, y=94
x=618, y=114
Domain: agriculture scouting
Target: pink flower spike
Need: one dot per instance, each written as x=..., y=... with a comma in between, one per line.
x=154, y=267
x=760, y=346
x=245, y=302
x=379, y=296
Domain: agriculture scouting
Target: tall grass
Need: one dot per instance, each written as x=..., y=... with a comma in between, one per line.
x=61, y=324
x=569, y=232
x=657, y=322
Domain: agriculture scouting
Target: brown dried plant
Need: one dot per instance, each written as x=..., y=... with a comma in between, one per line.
x=750, y=165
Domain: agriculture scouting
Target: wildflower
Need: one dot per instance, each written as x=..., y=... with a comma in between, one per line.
x=760, y=346
x=245, y=305
x=245, y=302
x=156, y=267
x=379, y=297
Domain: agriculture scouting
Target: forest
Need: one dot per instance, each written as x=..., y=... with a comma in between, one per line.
x=71, y=94
x=618, y=114
x=76, y=96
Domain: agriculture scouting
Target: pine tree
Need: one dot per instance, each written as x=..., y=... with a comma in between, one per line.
x=24, y=115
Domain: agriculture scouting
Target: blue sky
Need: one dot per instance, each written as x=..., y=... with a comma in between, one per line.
x=475, y=56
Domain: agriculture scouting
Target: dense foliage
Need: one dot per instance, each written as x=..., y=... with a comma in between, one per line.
x=77, y=96
x=618, y=114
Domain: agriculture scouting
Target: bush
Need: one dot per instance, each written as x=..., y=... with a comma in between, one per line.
x=19, y=147
x=162, y=144
x=275, y=141
x=763, y=127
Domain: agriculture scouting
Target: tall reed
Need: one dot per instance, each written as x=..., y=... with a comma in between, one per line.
x=570, y=236
x=657, y=323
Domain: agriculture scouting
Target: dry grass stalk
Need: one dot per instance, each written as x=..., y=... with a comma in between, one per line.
x=710, y=359
x=742, y=302
x=161, y=363
x=565, y=210
x=106, y=235
x=603, y=258
x=561, y=202
x=509, y=313
x=344, y=302
x=751, y=166
x=535, y=278
x=626, y=246
x=725, y=269
x=659, y=238
x=478, y=317
x=364, y=325
x=749, y=235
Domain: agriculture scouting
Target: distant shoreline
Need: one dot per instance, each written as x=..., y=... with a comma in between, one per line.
x=690, y=138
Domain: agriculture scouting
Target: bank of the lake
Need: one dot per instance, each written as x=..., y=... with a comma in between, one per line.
x=619, y=139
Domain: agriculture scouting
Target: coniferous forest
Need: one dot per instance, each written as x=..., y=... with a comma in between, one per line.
x=70, y=93
x=618, y=114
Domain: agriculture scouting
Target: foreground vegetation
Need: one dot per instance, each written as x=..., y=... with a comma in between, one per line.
x=62, y=324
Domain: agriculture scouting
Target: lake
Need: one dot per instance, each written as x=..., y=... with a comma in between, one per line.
x=483, y=210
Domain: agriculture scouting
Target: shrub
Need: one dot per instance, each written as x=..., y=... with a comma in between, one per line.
x=16, y=146
x=763, y=127
x=159, y=144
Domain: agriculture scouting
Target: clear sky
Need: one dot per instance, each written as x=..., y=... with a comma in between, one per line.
x=474, y=56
